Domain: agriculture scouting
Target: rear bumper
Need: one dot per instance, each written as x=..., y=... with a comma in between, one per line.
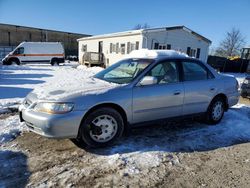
x=52, y=125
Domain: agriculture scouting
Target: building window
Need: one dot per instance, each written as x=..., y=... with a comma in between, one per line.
x=137, y=45
x=198, y=53
x=168, y=46
x=110, y=48
x=192, y=53
x=9, y=39
x=156, y=45
x=188, y=51
x=113, y=47
x=84, y=48
x=117, y=47
x=122, y=48
x=132, y=46
x=162, y=46
x=128, y=47
x=30, y=37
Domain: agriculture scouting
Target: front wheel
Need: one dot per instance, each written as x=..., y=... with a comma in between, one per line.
x=101, y=128
x=215, y=111
x=13, y=62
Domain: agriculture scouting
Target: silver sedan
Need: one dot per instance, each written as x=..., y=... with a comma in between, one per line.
x=134, y=91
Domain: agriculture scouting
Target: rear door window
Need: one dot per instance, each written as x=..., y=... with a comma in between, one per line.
x=194, y=71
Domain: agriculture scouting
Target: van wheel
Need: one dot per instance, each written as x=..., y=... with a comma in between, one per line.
x=215, y=111
x=101, y=128
x=54, y=62
x=13, y=61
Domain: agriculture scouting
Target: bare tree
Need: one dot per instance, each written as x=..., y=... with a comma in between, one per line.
x=232, y=44
x=141, y=26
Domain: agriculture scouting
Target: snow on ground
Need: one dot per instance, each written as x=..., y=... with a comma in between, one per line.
x=10, y=128
x=17, y=81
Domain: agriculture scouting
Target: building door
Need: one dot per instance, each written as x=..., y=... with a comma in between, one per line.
x=100, y=47
x=100, y=51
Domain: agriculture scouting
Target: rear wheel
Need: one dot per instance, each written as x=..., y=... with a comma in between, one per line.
x=54, y=62
x=101, y=128
x=215, y=111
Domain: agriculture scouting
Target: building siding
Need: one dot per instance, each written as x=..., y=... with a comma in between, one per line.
x=109, y=58
x=179, y=39
x=12, y=35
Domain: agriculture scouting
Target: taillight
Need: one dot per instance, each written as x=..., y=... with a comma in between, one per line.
x=237, y=85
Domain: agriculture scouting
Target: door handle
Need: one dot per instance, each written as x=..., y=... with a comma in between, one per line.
x=177, y=92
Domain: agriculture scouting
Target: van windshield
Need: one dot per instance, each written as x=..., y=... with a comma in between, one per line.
x=124, y=71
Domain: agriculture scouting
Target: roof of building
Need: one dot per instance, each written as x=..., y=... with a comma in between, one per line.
x=140, y=31
x=27, y=27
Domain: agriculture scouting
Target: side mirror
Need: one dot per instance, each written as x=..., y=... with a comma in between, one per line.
x=148, y=80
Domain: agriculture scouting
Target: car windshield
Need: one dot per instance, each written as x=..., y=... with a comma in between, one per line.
x=124, y=71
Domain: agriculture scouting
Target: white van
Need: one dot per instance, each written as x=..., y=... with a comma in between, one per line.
x=36, y=52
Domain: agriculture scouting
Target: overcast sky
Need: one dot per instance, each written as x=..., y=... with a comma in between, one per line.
x=209, y=18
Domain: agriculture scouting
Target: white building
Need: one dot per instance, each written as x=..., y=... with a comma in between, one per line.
x=115, y=45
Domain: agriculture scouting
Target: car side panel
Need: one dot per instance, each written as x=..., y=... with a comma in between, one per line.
x=157, y=101
x=199, y=94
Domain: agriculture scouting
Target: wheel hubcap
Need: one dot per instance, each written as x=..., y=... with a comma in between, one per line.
x=217, y=110
x=103, y=128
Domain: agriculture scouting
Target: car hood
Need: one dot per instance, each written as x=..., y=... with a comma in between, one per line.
x=56, y=91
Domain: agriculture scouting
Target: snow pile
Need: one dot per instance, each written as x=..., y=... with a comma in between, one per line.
x=10, y=128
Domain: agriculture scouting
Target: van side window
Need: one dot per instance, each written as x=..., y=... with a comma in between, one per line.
x=19, y=51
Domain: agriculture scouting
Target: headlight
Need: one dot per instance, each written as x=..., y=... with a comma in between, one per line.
x=54, y=107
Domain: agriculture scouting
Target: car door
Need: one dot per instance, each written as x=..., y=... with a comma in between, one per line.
x=161, y=100
x=199, y=86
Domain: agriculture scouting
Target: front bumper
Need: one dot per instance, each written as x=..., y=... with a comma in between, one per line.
x=52, y=125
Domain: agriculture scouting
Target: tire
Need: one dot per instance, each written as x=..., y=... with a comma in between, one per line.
x=215, y=111
x=101, y=128
x=13, y=61
x=54, y=62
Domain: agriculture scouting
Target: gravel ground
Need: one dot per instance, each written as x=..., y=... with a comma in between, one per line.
x=53, y=163
x=179, y=155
